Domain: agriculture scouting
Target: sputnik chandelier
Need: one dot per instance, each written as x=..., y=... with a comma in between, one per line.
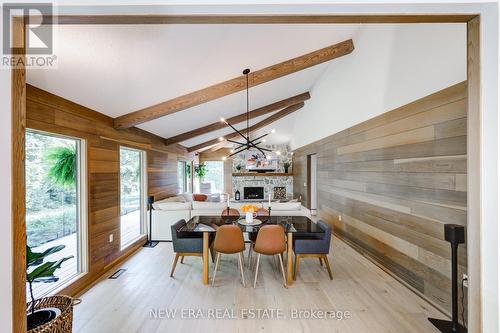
x=247, y=143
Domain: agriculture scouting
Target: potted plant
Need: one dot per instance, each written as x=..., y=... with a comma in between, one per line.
x=238, y=167
x=201, y=171
x=286, y=166
x=48, y=312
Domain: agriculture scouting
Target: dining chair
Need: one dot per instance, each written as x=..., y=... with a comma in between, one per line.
x=230, y=212
x=316, y=247
x=252, y=236
x=270, y=241
x=185, y=245
x=229, y=240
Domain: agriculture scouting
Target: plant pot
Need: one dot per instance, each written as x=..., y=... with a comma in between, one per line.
x=52, y=314
x=41, y=317
x=286, y=170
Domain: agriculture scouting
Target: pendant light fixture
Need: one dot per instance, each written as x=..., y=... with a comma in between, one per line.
x=247, y=143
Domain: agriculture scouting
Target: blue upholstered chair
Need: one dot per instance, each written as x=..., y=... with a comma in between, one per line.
x=317, y=247
x=185, y=244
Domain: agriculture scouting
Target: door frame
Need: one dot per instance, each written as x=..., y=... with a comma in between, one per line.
x=18, y=108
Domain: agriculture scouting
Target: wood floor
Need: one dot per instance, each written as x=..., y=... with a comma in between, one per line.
x=375, y=301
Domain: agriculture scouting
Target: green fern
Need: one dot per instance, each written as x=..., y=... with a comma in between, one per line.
x=63, y=169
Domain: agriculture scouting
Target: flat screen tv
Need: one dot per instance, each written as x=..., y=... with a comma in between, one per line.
x=258, y=162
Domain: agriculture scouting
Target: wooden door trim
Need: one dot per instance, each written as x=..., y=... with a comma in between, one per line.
x=18, y=109
x=18, y=185
x=258, y=19
x=474, y=257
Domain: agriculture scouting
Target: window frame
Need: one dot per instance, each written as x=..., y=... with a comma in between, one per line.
x=144, y=194
x=82, y=248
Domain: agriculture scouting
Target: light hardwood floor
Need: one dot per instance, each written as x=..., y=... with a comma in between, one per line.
x=376, y=302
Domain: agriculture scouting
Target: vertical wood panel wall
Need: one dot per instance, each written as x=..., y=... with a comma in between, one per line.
x=395, y=180
x=50, y=113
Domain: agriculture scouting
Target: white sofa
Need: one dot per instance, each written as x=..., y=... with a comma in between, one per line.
x=167, y=212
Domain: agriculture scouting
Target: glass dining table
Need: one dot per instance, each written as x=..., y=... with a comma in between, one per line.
x=293, y=226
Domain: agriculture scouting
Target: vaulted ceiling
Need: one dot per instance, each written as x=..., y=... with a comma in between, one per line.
x=117, y=69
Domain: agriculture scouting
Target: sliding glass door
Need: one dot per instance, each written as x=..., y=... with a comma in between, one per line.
x=132, y=195
x=55, y=203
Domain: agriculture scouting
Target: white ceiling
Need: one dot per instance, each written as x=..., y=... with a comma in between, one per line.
x=117, y=69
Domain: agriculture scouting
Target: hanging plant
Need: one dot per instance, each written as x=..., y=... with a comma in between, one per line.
x=63, y=166
x=201, y=171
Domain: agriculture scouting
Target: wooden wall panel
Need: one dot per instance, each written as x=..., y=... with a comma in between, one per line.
x=388, y=185
x=48, y=112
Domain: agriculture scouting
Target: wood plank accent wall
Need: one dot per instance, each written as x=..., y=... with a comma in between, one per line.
x=395, y=180
x=51, y=113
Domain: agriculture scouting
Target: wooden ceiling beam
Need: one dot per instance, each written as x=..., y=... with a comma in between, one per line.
x=253, y=128
x=239, y=118
x=234, y=85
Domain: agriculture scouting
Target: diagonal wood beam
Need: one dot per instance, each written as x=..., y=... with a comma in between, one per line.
x=234, y=85
x=239, y=118
x=259, y=125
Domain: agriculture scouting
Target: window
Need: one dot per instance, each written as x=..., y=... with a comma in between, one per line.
x=184, y=177
x=181, y=177
x=56, y=203
x=215, y=176
x=132, y=195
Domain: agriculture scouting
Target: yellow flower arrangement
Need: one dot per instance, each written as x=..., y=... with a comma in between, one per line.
x=249, y=208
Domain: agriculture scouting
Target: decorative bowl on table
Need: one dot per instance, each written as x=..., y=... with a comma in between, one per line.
x=243, y=221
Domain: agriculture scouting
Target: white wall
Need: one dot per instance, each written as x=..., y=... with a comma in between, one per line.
x=391, y=65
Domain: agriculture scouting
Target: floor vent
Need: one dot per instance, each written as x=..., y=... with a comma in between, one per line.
x=117, y=274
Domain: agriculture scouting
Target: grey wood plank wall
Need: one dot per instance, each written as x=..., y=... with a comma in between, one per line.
x=389, y=184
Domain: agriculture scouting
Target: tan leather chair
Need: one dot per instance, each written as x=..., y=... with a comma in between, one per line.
x=231, y=212
x=252, y=236
x=270, y=241
x=229, y=240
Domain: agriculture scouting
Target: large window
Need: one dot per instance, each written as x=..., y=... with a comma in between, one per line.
x=132, y=195
x=55, y=203
x=184, y=176
x=215, y=176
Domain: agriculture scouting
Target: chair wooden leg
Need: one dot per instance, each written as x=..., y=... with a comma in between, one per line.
x=296, y=268
x=241, y=262
x=283, y=272
x=215, y=269
x=174, y=264
x=327, y=263
x=320, y=262
x=182, y=259
x=256, y=271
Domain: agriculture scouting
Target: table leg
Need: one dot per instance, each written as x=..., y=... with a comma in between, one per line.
x=289, y=261
x=205, y=257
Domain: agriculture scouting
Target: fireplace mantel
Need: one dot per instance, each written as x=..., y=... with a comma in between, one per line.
x=263, y=174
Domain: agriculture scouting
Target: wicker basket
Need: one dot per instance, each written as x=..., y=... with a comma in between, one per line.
x=62, y=323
